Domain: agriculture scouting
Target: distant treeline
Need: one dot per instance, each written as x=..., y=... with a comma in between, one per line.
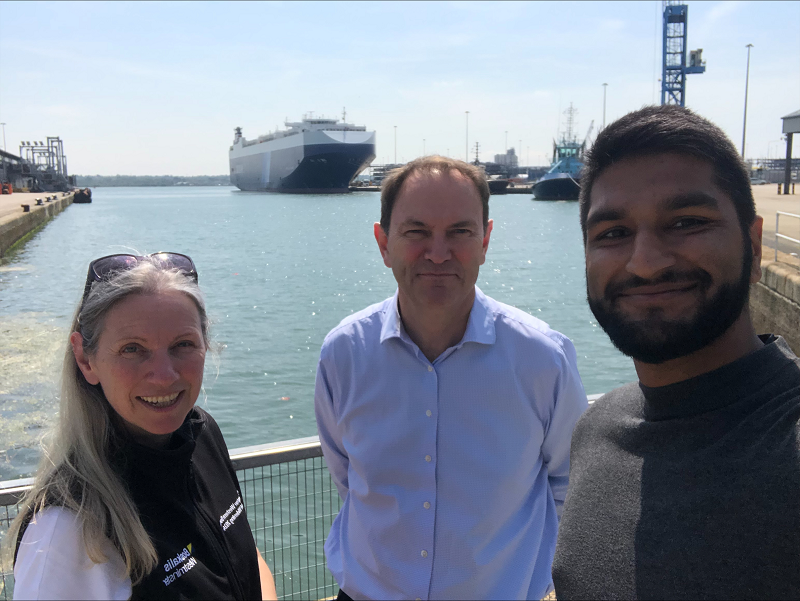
x=116, y=181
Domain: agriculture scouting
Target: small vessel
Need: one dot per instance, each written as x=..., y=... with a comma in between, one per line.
x=497, y=184
x=82, y=196
x=312, y=156
x=562, y=181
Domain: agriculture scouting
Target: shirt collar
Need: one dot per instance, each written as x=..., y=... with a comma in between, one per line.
x=391, y=321
x=480, y=327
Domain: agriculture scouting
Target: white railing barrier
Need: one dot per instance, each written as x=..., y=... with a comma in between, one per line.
x=777, y=230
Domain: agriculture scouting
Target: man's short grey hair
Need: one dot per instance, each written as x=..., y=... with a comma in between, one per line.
x=391, y=186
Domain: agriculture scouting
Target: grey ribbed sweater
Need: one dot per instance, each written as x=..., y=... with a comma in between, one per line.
x=688, y=491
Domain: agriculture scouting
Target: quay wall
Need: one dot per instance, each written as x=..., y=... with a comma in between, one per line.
x=14, y=228
x=775, y=303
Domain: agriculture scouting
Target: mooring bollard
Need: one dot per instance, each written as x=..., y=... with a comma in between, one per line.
x=26, y=208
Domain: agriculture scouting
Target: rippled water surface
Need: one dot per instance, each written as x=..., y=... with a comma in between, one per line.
x=279, y=271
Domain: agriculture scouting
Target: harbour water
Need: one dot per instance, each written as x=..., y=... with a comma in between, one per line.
x=279, y=271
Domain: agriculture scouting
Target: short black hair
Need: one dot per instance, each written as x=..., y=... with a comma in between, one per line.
x=391, y=186
x=670, y=129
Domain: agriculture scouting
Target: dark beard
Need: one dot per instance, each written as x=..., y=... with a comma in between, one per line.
x=655, y=339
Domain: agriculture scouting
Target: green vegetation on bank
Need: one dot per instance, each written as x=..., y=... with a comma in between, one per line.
x=117, y=181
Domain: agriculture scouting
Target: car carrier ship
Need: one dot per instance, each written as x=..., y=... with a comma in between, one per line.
x=312, y=156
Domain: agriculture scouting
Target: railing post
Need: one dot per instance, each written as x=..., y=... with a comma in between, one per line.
x=777, y=219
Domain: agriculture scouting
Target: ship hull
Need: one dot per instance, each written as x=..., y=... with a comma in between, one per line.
x=497, y=186
x=310, y=163
x=556, y=186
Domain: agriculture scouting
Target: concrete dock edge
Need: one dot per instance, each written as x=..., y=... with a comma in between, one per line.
x=775, y=303
x=15, y=228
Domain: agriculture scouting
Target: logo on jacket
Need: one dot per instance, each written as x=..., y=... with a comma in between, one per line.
x=181, y=563
x=227, y=519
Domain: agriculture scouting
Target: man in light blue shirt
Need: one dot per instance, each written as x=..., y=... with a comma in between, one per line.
x=445, y=417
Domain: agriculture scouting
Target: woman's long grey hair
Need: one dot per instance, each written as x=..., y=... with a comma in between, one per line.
x=75, y=471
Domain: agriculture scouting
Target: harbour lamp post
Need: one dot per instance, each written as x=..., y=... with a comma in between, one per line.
x=746, y=85
x=466, y=145
x=519, y=158
x=5, y=174
x=395, y=145
x=605, y=87
x=506, y=141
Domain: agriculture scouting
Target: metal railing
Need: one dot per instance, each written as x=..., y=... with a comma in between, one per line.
x=290, y=501
x=777, y=230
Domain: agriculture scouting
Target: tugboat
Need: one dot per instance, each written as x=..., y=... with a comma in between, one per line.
x=562, y=181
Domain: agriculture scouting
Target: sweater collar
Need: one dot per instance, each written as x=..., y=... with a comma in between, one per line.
x=719, y=388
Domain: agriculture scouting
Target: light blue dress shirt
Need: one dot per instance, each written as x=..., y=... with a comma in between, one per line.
x=453, y=473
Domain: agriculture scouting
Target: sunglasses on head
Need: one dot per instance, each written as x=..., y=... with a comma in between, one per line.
x=102, y=268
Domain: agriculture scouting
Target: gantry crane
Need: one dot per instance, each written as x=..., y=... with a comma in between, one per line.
x=674, y=67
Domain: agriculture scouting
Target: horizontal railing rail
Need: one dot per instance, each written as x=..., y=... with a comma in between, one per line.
x=274, y=453
x=777, y=230
x=12, y=491
x=291, y=502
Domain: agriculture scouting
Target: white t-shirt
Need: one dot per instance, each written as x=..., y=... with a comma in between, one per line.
x=52, y=562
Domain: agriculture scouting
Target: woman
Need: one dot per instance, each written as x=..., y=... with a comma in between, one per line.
x=136, y=496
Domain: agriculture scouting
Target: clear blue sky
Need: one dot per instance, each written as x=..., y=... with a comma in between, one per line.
x=157, y=88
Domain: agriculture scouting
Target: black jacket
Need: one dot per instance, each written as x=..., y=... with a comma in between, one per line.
x=191, y=505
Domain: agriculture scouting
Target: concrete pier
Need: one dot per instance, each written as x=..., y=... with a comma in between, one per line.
x=15, y=224
x=775, y=300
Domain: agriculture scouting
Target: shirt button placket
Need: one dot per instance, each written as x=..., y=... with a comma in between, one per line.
x=429, y=459
x=429, y=413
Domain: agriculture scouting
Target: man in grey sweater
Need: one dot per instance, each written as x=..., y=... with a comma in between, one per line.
x=685, y=484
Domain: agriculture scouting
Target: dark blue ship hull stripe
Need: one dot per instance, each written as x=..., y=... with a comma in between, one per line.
x=312, y=168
